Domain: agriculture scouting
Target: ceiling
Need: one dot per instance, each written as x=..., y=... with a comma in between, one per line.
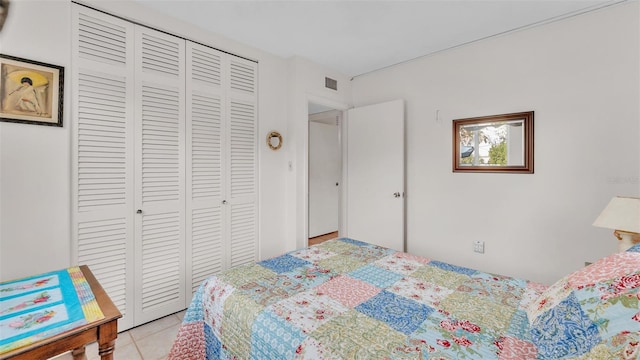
x=357, y=37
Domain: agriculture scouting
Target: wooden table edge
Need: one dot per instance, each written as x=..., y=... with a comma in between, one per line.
x=89, y=331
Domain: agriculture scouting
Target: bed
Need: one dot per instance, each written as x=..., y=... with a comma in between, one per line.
x=347, y=299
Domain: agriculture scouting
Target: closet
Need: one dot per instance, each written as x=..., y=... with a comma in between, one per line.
x=164, y=162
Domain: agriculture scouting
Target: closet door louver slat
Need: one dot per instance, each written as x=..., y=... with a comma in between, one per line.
x=101, y=40
x=102, y=181
x=243, y=156
x=102, y=245
x=206, y=255
x=242, y=162
x=161, y=246
x=101, y=126
x=161, y=55
x=205, y=162
x=160, y=179
x=243, y=234
x=242, y=76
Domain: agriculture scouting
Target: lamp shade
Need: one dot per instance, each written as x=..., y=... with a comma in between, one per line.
x=622, y=213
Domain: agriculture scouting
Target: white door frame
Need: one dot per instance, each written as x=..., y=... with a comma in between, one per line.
x=320, y=122
x=303, y=201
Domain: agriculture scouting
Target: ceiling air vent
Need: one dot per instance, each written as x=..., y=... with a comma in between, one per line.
x=330, y=83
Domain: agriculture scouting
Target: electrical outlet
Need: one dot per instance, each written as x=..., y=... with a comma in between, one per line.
x=478, y=246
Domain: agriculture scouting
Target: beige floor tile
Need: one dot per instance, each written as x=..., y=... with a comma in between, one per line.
x=180, y=315
x=153, y=327
x=126, y=352
x=64, y=356
x=158, y=345
x=124, y=338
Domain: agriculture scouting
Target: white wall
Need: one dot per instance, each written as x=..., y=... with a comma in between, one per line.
x=35, y=188
x=35, y=161
x=581, y=77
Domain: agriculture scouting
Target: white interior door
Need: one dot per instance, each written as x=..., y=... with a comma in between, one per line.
x=160, y=179
x=102, y=181
x=375, y=174
x=206, y=248
x=325, y=171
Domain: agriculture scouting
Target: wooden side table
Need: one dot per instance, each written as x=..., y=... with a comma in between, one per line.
x=104, y=331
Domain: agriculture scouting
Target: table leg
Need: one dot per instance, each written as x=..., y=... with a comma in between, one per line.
x=79, y=353
x=107, y=334
x=106, y=350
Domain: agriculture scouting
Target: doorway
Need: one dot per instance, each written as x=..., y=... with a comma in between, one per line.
x=324, y=173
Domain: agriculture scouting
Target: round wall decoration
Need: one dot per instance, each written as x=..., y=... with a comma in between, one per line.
x=274, y=140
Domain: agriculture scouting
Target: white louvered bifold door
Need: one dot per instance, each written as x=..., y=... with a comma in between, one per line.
x=205, y=114
x=102, y=168
x=241, y=177
x=160, y=179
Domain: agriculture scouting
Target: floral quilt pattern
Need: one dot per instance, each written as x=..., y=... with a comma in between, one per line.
x=347, y=299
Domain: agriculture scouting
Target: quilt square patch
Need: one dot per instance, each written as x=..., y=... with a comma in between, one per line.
x=238, y=317
x=337, y=246
x=369, y=254
x=311, y=276
x=272, y=337
x=243, y=274
x=450, y=337
x=216, y=291
x=614, y=306
x=519, y=326
x=454, y=268
x=347, y=290
x=440, y=277
x=341, y=264
x=308, y=311
x=416, y=258
x=375, y=276
x=398, y=312
x=313, y=254
x=313, y=349
x=192, y=341
x=284, y=263
x=501, y=289
x=511, y=348
x=400, y=264
x=344, y=336
x=564, y=330
x=268, y=291
x=420, y=290
x=475, y=309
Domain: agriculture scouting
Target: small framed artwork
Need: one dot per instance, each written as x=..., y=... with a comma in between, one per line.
x=495, y=144
x=31, y=92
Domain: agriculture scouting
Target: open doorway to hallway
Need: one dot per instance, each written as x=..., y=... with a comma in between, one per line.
x=325, y=173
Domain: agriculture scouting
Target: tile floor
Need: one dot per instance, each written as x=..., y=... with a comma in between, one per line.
x=151, y=341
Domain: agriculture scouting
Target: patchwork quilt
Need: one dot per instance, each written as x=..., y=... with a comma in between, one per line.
x=346, y=299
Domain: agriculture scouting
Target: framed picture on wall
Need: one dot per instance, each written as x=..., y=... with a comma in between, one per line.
x=31, y=92
x=494, y=144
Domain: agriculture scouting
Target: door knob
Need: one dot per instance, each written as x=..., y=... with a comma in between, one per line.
x=139, y=211
x=224, y=202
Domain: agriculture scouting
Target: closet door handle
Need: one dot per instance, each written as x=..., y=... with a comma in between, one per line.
x=224, y=202
x=139, y=211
